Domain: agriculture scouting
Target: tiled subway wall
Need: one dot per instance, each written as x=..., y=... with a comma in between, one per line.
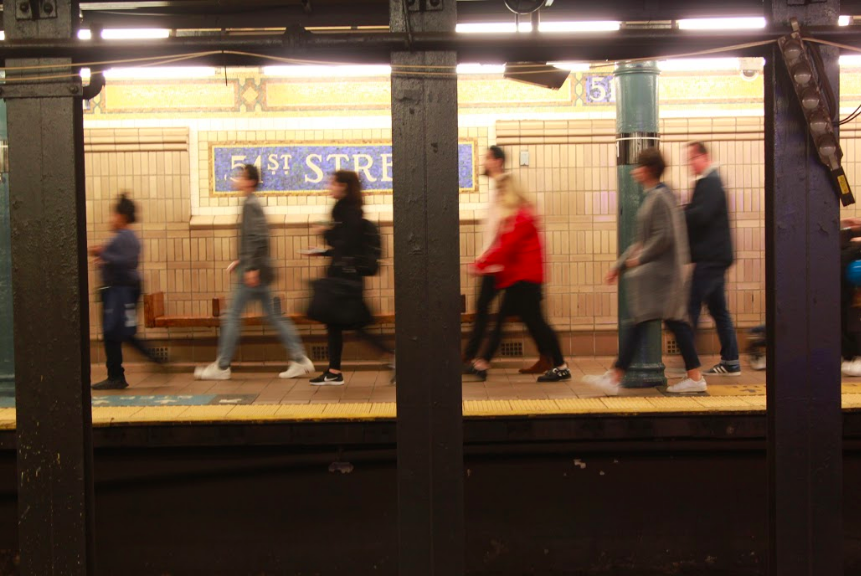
x=572, y=169
x=189, y=236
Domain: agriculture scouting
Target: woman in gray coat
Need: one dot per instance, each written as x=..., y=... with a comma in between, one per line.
x=654, y=267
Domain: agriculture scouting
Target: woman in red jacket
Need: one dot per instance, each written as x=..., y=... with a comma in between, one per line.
x=516, y=259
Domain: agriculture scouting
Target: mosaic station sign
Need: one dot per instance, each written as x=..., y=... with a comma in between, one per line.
x=305, y=168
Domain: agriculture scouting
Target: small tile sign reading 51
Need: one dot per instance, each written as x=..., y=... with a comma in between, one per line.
x=305, y=168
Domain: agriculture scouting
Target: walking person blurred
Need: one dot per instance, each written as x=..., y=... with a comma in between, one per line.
x=494, y=168
x=339, y=298
x=850, y=321
x=255, y=274
x=515, y=263
x=711, y=253
x=654, y=267
x=118, y=262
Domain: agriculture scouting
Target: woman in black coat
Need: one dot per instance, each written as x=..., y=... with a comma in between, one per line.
x=345, y=237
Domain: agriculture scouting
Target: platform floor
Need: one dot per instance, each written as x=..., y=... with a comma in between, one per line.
x=256, y=393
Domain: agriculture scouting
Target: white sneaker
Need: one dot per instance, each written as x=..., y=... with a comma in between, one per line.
x=851, y=367
x=757, y=362
x=688, y=386
x=298, y=368
x=211, y=372
x=603, y=383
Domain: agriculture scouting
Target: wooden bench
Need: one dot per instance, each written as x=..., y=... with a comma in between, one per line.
x=154, y=316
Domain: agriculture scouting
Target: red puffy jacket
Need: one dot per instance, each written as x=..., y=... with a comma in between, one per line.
x=518, y=250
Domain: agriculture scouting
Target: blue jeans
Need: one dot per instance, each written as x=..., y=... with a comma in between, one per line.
x=231, y=324
x=633, y=337
x=709, y=285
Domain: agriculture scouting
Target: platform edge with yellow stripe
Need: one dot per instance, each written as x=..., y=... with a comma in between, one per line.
x=366, y=411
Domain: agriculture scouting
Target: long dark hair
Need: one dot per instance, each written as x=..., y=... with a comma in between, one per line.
x=353, y=193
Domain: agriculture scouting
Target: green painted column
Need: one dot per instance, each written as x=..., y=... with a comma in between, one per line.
x=636, y=87
x=7, y=370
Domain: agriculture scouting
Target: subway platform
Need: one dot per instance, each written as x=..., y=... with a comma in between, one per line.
x=257, y=394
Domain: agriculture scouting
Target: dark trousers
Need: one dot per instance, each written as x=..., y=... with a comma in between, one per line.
x=523, y=299
x=850, y=325
x=709, y=285
x=114, y=356
x=336, y=343
x=633, y=338
x=487, y=292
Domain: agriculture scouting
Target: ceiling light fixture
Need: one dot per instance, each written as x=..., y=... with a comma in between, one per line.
x=480, y=68
x=584, y=26
x=135, y=33
x=722, y=23
x=334, y=72
x=160, y=73
x=572, y=66
x=492, y=28
x=702, y=64
x=850, y=61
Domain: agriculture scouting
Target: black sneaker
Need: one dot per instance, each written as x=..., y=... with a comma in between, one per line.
x=722, y=369
x=555, y=375
x=111, y=384
x=328, y=379
x=471, y=370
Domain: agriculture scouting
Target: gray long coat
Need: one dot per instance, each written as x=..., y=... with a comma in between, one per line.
x=658, y=289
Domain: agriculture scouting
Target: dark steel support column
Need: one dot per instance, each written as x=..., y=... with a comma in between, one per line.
x=51, y=320
x=803, y=316
x=7, y=364
x=427, y=299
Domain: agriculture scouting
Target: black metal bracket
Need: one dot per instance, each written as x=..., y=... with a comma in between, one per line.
x=66, y=89
x=35, y=9
x=424, y=5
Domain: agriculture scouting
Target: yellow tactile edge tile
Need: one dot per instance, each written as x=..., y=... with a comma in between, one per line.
x=118, y=415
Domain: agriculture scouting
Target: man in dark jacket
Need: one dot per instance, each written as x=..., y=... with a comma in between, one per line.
x=712, y=254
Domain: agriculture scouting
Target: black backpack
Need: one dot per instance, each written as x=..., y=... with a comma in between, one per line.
x=368, y=262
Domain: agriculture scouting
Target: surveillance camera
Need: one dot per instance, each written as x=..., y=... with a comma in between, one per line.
x=749, y=68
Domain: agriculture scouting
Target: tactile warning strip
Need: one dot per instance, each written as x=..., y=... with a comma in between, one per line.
x=119, y=415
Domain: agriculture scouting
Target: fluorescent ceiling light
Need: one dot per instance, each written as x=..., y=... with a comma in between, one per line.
x=851, y=61
x=493, y=28
x=85, y=74
x=332, y=72
x=2, y=35
x=722, y=23
x=160, y=72
x=511, y=27
x=572, y=66
x=698, y=64
x=585, y=26
x=844, y=21
x=480, y=68
x=135, y=33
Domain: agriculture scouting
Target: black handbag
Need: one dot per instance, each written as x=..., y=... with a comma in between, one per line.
x=339, y=301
